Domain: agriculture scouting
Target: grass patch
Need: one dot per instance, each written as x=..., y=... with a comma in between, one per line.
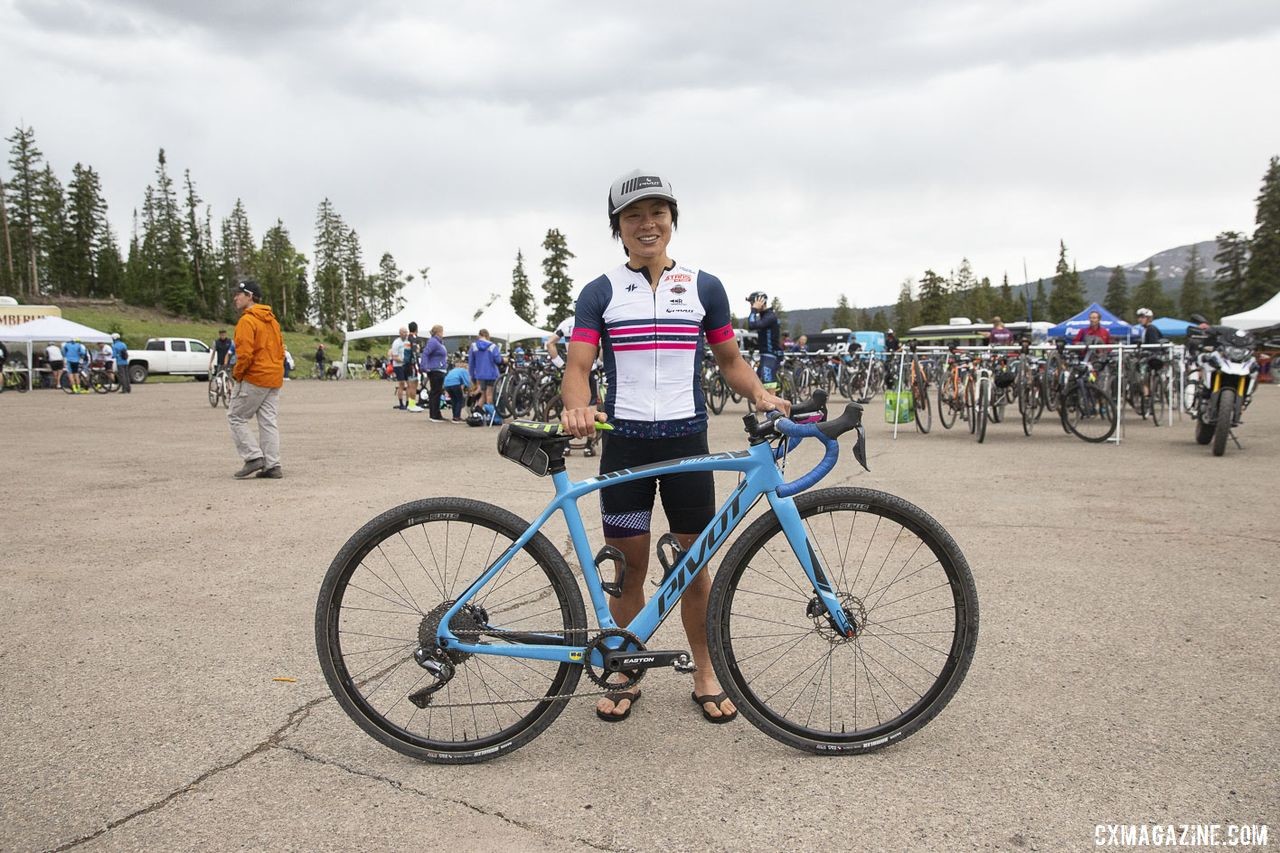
x=136, y=325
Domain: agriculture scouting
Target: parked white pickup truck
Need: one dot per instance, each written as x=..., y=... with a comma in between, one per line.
x=180, y=356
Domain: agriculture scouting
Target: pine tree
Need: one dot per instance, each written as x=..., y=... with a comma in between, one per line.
x=982, y=301
x=327, y=280
x=1262, y=276
x=53, y=239
x=935, y=306
x=1150, y=293
x=906, y=312
x=556, y=283
x=357, y=286
x=389, y=282
x=8, y=269
x=1232, y=258
x=1040, y=304
x=879, y=322
x=87, y=230
x=24, y=198
x=1117, y=299
x=109, y=265
x=1011, y=309
x=1067, y=296
x=522, y=301
x=195, y=248
x=1193, y=299
x=281, y=273
x=173, y=265
x=844, y=316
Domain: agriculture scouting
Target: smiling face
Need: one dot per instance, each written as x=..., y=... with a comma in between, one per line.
x=645, y=229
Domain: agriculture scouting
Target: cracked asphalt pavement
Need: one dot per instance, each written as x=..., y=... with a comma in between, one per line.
x=161, y=689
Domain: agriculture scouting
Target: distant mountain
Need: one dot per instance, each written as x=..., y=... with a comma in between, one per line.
x=1171, y=265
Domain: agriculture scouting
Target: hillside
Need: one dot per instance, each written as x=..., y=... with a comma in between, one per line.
x=135, y=324
x=1170, y=264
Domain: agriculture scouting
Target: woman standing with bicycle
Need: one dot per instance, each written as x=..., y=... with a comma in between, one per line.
x=652, y=317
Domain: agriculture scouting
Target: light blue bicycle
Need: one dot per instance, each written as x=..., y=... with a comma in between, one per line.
x=841, y=621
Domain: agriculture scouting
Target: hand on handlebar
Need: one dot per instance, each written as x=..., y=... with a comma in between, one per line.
x=581, y=423
x=769, y=402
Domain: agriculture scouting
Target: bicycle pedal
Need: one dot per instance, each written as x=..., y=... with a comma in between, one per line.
x=685, y=666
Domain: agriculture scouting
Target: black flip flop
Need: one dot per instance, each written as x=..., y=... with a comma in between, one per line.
x=615, y=698
x=700, y=701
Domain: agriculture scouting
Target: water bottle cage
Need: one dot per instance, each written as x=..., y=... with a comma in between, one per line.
x=669, y=555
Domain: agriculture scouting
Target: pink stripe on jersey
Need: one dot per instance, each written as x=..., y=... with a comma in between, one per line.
x=716, y=336
x=585, y=336
x=652, y=345
x=625, y=331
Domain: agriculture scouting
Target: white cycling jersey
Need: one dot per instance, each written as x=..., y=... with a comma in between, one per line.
x=652, y=340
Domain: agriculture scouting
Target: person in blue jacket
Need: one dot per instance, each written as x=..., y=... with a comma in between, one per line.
x=74, y=354
x=120, y=352
x=458, y=383
x=483, y=359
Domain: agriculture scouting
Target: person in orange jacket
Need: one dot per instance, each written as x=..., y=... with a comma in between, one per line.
x=259, y=375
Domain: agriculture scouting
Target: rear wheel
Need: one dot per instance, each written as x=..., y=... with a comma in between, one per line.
x=906, y=586
x=983, y=409
x=383, y=598
x=1226, y=417
x=947, y=399
x=138, y=374
x=971, y=405
x=1088, y=413
x=920, y=397
x=717, y=393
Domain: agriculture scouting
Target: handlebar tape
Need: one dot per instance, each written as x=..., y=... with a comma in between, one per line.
x=828, y=433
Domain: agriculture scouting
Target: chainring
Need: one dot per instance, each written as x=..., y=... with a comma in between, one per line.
x=630, y=642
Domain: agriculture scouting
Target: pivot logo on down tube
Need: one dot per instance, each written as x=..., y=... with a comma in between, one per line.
x=695, y=560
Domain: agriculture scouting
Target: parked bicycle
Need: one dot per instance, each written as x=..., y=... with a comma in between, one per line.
x=220, y=387
x=841, y=621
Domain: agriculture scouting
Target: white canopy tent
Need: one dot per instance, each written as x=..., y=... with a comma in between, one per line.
x=1264, y=316
x=53, y=330
x=426, y=305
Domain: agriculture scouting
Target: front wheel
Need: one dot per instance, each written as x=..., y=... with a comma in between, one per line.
x=1226, y=417
x=983, y=410
x=383, y=598
x=906, y=586
x=947, y=399
x=215, y=391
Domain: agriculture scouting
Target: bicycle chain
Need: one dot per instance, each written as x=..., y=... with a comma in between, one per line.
x=498, y=632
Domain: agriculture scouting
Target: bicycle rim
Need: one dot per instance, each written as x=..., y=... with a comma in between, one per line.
x=395, y=576
x=1088, y=413
x=908, y=587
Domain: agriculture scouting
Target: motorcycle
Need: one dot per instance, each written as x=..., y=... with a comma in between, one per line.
x=1228, y=376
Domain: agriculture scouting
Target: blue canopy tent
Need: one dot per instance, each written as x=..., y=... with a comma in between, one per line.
x=1117, y=328
x=1171, y=327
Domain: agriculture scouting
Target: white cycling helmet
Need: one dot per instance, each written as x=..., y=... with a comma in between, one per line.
x=1144, y=312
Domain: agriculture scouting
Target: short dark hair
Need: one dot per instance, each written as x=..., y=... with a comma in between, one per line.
x=413, y=326
x=615, y=220
x=222, y=331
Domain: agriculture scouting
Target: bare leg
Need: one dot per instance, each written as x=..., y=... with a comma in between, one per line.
x=693, y=613
x=635, y=549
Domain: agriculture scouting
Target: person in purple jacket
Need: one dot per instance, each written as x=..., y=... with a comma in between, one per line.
x=434, y=362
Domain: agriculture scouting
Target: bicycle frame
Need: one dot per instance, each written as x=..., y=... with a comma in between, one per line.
x=762, y=477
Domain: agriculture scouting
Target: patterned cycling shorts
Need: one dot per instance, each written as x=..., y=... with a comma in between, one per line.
x=688, y=498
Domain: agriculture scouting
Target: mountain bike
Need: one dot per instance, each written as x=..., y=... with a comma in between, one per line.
x=1088, y=409
x=917, y=380
x=841, y=621
x=220, y=387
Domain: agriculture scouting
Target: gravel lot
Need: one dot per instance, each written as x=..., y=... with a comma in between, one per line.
x=1127, y=667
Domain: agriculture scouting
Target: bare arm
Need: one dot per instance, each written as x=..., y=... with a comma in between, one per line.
x=553, y=351
x=578, y=416
x=742, y=378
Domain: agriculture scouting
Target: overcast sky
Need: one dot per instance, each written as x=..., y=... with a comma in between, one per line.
x=816, y=148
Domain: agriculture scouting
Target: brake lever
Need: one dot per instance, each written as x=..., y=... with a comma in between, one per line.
x=860, y=448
